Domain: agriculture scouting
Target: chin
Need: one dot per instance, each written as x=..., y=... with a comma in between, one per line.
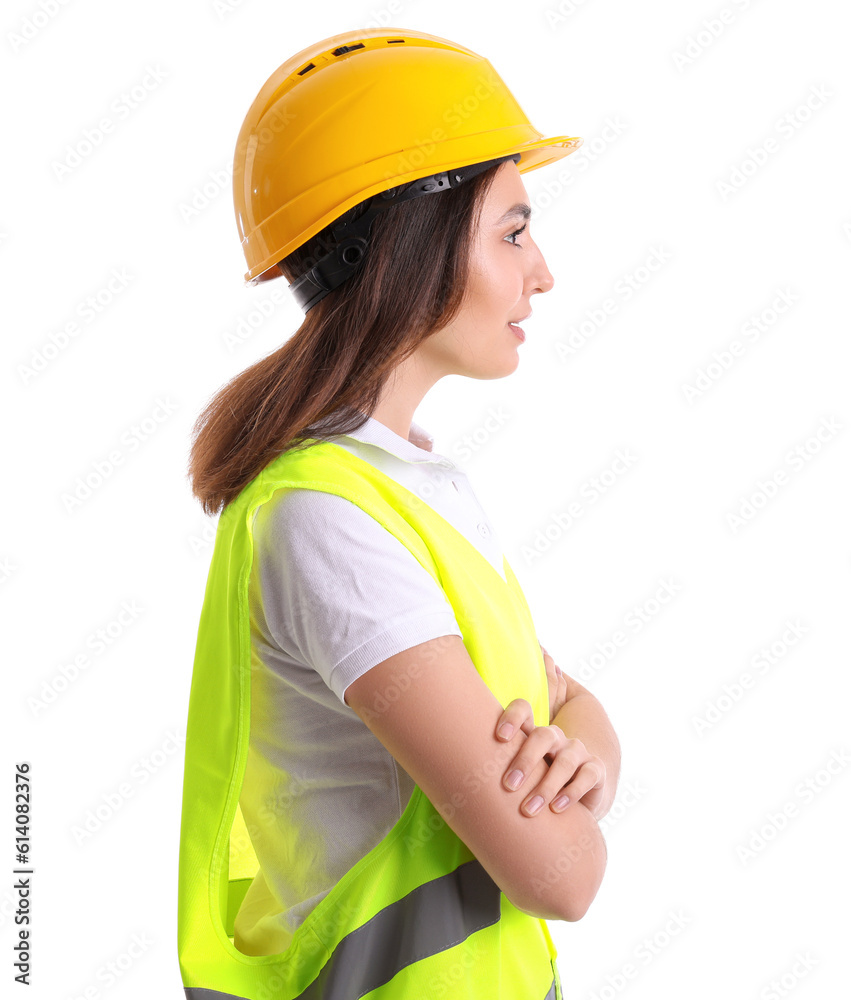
x=486, y=372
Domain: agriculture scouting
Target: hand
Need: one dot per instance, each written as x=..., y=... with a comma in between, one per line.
x=574, y=774
x=556, y=684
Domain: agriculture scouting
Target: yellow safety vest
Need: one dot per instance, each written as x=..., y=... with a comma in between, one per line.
x=417, y=917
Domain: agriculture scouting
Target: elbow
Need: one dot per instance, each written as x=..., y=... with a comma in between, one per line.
x=565, y=907
x=569, y=883
x=577, y=908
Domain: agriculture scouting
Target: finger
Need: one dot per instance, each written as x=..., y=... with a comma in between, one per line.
x=555, y=789
x=565, y=760
x=544, y=740
x=552, y=672
x=550, y=665
x=518, y=715
x=548, y=793
x=565, y=782
x=585, y=779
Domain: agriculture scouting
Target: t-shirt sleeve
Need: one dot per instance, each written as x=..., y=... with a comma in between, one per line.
x=339, y=592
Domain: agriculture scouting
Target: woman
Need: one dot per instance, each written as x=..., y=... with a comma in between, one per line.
x=368, y=680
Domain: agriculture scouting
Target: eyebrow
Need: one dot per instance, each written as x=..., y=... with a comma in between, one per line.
x=519, y=211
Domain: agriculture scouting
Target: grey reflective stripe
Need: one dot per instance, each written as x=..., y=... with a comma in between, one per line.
x=196, y=993
x=433, y=917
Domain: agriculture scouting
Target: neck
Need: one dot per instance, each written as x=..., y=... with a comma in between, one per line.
x=401, y=394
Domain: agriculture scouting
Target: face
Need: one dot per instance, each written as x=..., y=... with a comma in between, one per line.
x=506, y=270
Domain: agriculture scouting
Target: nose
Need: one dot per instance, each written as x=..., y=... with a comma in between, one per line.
x=540, y=277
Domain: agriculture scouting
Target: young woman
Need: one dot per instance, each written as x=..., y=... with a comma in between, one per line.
x=368, y=683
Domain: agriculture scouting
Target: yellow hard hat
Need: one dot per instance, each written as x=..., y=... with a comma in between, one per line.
x=363, y=112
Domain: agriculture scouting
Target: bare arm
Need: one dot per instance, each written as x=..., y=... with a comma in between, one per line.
x=582, y=717
x=440, y=728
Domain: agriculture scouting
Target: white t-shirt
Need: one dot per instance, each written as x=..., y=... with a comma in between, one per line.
x=332, y=593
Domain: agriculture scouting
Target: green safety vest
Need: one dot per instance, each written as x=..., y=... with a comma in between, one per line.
x=416, y=917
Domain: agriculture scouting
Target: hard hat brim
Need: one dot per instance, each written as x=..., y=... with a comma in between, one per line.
x=533, y=154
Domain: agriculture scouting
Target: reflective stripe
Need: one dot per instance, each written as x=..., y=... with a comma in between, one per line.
x=198, y=993
x=435, y=916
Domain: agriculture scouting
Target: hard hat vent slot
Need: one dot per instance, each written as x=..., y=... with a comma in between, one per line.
x=310, y=66
x=343, y=49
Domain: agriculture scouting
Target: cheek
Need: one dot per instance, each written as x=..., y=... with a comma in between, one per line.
x=498, y=283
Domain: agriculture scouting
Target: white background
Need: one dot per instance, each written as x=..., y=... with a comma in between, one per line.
x=723, y=150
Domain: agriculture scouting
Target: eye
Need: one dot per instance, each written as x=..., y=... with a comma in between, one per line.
x=515, y=234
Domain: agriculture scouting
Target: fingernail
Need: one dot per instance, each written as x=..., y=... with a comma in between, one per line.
x=560, y=803
x=514, y=779
x=506, y=730
x=534, y=805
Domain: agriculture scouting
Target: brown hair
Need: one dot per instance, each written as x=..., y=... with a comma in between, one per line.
x=410, y=284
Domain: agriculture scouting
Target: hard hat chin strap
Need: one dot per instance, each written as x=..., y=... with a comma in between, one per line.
x=353, y=235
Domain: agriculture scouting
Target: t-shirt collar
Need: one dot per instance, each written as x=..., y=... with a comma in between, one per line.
x=418, y=448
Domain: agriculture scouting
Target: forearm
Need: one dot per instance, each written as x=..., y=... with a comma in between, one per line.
x=582, y=717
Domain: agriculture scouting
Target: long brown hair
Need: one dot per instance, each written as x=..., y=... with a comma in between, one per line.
x=411, y=282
